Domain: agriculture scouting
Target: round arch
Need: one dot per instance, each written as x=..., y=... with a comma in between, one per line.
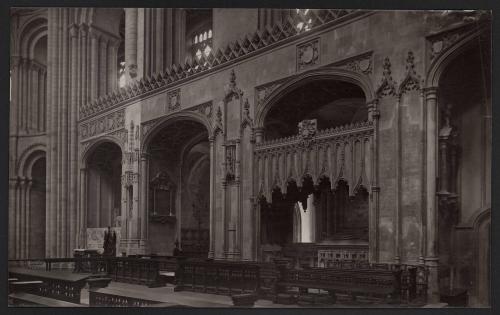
x=439, y=65
x=170, y=119
x=34, y=42
x=30, y=34
x=314, y=75
x=28, y=158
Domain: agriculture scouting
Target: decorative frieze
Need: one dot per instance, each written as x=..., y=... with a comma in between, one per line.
x=238, y=49
x=308, y=54
x=174, y=100
x=105, y=124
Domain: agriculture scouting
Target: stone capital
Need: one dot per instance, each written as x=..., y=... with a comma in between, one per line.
x=83, y=30
x=73, y=30
x=430, y=92
x=15, y=61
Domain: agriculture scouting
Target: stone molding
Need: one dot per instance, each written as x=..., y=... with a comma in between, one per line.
x=251, y=43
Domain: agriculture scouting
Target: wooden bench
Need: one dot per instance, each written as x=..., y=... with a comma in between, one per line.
x=382, y=283
x=144, y=271
x=28, y=299
x=24, y=286
x=60, y=285
x=244, y=300
x=98, y=282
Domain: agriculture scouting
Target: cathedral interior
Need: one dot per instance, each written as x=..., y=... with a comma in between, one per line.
x=261, y=153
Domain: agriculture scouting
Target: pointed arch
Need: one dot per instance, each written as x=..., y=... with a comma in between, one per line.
x=159, y=124
x=314, y=75
x=440, y=64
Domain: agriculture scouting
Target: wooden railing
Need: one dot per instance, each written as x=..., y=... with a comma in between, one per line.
x=222, y=277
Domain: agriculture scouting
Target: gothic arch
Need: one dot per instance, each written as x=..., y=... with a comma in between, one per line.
x=89, y=149
x=314, y=75
x=439, y=65
x=161, y=123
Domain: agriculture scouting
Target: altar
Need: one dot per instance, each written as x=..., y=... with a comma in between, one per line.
x=95, y=238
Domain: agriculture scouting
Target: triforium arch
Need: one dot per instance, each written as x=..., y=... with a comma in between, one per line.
x=321, y=161
x=27, y=206
x=176, y=180
x=458, y=160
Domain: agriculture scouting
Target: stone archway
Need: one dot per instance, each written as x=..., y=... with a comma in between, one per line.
x=178, y=186
x=458, y=131
x=325, y=103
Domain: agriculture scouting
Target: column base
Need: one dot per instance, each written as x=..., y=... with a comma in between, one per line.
x=433, y=295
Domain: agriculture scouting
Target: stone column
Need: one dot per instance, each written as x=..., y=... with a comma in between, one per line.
x=34, y=106
x=73, y=141
x=140, y=43
x=112, y=81
x=20, y=218
x=144, y=197
x=103, y=65
x=13, y=206
x=82, y=215
x=374, y=115
x=180, y=36
x=431, y=259
x=27, y=224
x=14, y=101
x=158, y=41
x=63, y=181
x=211, y=252
x=259, y=134
x=40, y=118
x=131, y=42
x=84, y=89
x=94, y=60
